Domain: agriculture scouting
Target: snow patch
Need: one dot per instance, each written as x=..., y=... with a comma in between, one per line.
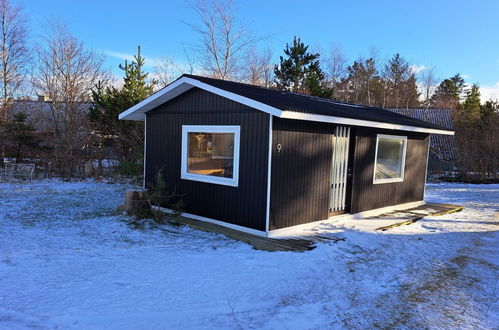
x=68, y=259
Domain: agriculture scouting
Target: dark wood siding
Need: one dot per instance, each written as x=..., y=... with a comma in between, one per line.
x=368, y=196
x=244, y=205
x=300, y=182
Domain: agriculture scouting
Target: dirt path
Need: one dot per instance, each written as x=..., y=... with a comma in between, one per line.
x=461, y=293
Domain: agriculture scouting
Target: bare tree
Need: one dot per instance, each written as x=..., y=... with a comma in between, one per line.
x=258, y=68
x=13, y=54
x=223, y=39
x=166, y=70
x=336, y=68
x=65, y=73
x=13, y=61
x=429, y=84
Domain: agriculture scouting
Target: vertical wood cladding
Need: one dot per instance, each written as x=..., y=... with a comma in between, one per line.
x=244, y=205
x=368, y=196
x=300, y=183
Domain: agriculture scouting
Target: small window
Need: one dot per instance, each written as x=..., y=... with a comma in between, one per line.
x=211, y=154
x=389, y=161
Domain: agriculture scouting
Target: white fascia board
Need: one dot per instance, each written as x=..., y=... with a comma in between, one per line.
x=182, y=85
x=359, y=122
x=137, y=111
x=235, y=97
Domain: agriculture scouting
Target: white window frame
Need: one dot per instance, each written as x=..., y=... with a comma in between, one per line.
x=184, y=174
x=404, y=152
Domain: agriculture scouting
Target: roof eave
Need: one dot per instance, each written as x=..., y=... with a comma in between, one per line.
x=362, y=123
x=180, y=86
x=183, y=84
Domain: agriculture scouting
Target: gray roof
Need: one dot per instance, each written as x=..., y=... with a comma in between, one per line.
x=444, y=146
x=301, y=103
x=284, y=104
x=40, y=112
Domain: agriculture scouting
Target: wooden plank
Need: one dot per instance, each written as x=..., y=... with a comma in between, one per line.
x=259, y=243
x=439, y=209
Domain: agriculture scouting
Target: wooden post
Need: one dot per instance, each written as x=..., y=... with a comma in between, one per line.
x=136, y=200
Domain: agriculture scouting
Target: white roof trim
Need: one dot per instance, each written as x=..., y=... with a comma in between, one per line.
x=184, y=84
x=360, y=122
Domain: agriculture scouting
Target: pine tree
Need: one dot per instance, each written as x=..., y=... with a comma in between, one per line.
x=362, y=81
x=110, y=101
x=470, y=110
x=136, y=87
x=489, y=109
x=448, y=93
x=477, y=128
x=300, y=71
x=401, y=84
x=410, y=97
x=18, y=133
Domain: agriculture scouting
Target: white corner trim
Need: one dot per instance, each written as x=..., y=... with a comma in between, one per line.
x=145, y=154
x=186, y=175
x=426, y=169
x=216, y=222
x=300, y=230
x=269, y=176
x=359, y=122
x=404, y=153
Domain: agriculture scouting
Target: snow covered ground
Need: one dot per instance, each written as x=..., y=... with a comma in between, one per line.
x=69, y=260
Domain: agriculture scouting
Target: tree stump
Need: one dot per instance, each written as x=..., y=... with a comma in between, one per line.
x=136, y=201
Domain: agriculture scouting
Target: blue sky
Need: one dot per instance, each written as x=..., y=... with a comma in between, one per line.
x=450, y=36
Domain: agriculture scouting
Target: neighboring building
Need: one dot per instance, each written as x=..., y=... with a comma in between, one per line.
x=40, y=112
x=443, y=150
x=262, y=160
x=42, y=117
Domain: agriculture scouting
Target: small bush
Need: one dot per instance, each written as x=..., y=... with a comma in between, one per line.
x=158, y=195
x=469, y=178
x=131, y=169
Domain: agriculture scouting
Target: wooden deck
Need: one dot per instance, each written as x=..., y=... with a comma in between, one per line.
x=408, y=216
x=258, y=242
x=305, y=242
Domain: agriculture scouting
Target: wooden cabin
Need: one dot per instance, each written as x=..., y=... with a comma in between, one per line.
x=263, y=161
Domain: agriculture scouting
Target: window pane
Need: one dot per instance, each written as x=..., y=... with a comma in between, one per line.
x=389, y=158
x=211, y=154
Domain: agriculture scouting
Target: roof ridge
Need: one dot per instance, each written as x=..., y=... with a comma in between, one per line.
x=275, y=89
x=435, y=109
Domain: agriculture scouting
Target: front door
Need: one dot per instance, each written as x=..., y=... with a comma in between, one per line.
x=340, y=170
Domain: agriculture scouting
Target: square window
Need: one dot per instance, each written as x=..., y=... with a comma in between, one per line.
x=389, y=162
x=210, y=154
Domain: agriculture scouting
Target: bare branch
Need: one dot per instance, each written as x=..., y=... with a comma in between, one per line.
x=258, y=67
x=66, y=72
x=429, y=84
x=223, y=41
x=166, y=70
x=13, y=54
x=336, y=67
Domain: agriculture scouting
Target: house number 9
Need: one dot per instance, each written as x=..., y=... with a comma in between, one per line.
x=279, y=147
